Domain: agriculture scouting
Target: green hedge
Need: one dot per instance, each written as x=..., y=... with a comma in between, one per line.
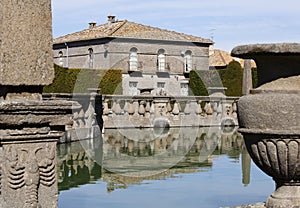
x=79, y=80
x=231, y=78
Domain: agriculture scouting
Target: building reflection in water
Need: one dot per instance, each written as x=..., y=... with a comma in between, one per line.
x=123, y=158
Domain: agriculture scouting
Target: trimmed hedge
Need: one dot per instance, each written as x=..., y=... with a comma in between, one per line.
x=79, y=80
x=231, y=78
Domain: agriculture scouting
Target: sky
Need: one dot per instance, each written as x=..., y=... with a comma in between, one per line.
x=228, y=23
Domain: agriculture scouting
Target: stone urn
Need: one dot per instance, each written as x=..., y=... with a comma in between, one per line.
x=269, y=118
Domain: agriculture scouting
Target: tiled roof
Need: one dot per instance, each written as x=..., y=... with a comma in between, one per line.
x=126, y=29
x=220, y=58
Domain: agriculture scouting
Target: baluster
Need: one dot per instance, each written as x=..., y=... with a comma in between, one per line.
x=113, y=106
x=215, y=109
x=147, y=109
x=142, y=110
x=187, y=109
x=219, y=110
x=234, y=110
x=169, y=108
x=130, y=108
x=176, y=111
x=136, y=108
x=105, y=108
x=89, y=116
x=81, y=118
x=152, y=108
x=126, y=107
x=75, y=120
x=117, y=109
x=152, y=146
x=198, y=108
x=208, y=109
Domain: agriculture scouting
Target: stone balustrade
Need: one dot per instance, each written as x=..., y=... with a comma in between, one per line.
x=87, y=121
x=162, y=111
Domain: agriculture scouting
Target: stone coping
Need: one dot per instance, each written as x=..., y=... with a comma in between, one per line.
x=245, y=51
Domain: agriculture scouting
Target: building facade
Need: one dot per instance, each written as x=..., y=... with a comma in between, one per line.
x=153, y=60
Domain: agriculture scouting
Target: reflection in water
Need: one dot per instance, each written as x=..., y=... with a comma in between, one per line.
x=125, y=157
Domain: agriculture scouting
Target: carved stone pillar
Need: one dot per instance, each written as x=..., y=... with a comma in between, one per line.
x=30, y=126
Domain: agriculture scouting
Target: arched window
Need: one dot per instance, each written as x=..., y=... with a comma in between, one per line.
x=133, y=60
x=60, y=58
x=188, y=64
x=161, y=60
x=91, y=58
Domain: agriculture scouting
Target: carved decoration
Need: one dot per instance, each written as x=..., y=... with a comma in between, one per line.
x=278, y=156
x=29, y=169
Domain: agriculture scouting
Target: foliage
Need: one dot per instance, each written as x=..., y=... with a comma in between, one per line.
x=197, y=86
x=231, y=78
x=79, y=80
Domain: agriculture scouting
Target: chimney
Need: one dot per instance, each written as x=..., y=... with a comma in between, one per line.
x=92, y=25
x=111, y=19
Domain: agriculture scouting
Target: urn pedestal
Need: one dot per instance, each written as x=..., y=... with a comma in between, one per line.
x=269, y=118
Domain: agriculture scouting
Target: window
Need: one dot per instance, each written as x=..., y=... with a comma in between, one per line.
x=161, y=85
x=133, y=88
x=161, y=88
x=91, y=58
x=184, y=89
x=60, y=58
x=188, y=61
x=161, y=60
x=133, y=60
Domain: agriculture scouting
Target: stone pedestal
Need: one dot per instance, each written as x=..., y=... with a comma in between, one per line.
x=29, y=126
x=269, y=118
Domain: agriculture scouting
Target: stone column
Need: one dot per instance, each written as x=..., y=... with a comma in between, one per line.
x=25, y=49
x=247, y=77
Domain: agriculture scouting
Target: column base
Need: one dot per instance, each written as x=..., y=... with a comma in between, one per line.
x=284, y=196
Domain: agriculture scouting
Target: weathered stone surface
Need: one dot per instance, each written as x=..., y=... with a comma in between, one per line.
x=247, y=77
x=248, y=51
x=273, y=61
x=284, y=85
x=26, y=43
x=29, y=175
x=270, y=112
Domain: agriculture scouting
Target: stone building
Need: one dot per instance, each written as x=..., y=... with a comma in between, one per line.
x=153, y=60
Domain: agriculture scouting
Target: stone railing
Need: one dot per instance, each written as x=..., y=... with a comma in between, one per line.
x=87, y=120
x=154, y=111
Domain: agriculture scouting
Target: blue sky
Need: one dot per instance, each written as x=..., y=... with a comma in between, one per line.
x=228, y=22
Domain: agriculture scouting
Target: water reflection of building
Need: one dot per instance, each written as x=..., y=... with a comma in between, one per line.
x=121, y=162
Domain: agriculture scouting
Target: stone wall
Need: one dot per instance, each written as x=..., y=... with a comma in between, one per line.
x=108, y=53
x=115, y=54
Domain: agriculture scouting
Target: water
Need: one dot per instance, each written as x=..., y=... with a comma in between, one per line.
x=186, y=167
